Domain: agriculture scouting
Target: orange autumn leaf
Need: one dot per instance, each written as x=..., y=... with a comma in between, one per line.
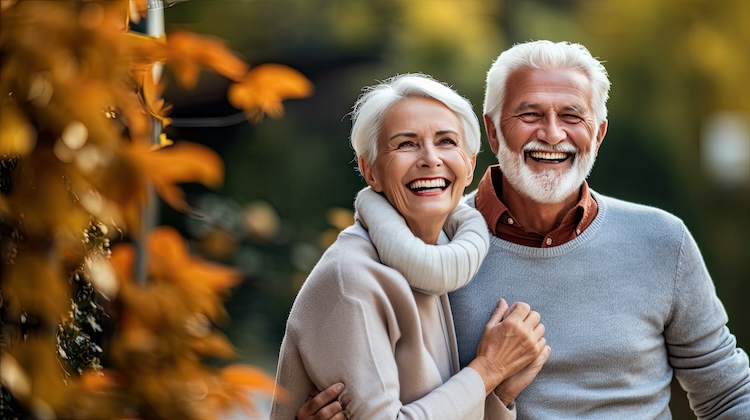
x=249, y=377
x=213, y=345
x=170, y=259
x=265, y=86
x=17, y=135
x=189, y=52
x=122, y=259
x=180, y=163
x=93, y=381
x=238, y=382
x=153, y=102
x=144, y=49
x=138, y=122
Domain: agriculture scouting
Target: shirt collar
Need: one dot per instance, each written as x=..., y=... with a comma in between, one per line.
x=504, y=225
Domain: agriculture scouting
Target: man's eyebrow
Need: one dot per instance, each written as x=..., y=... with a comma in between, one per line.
x=574, y=108
x=524, y=106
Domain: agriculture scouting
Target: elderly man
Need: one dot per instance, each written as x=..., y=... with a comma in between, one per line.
x=623, y=289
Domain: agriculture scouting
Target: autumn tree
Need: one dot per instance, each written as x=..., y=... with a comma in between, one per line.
x=100, y=317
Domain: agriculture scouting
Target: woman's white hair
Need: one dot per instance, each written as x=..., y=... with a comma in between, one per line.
x=368, y=112
x=546, y=55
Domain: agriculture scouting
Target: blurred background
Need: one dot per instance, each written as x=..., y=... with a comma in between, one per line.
x=678, y=139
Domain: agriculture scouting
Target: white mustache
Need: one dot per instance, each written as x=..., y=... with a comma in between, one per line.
x=540, y=146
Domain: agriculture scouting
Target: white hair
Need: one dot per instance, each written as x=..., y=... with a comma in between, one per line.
x=368, y=112
x=546, y=55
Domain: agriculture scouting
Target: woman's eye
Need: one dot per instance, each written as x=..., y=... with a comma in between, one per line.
x=405, y=144
x=448, y=141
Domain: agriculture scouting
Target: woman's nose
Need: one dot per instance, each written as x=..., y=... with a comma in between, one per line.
x=430, y=156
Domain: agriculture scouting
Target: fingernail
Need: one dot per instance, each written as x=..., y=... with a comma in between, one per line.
x=339, y=387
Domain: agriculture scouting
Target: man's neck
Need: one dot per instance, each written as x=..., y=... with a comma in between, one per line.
x=533, y=216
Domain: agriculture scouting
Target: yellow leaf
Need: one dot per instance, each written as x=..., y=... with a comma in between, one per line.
x=163, y=142
x=17, y=136
x=214, y=345
x=181, y=163
x=97, y=381
x=265, y=86
x=144, y=49
x=188, y=52
x=151, y=93
x=251, y=377
x=170, y=259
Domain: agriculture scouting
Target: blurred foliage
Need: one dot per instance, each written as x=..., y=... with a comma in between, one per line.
x=90, y=329
x=673, y=63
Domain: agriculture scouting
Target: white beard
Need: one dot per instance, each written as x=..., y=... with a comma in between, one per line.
x=549, y=186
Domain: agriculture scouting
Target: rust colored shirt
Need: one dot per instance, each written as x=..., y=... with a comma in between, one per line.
x=505, y=226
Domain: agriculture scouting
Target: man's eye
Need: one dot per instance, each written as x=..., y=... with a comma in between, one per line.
x=571, y=118
x=530, y=116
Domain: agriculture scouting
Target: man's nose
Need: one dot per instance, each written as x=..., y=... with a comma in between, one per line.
x=551, y=130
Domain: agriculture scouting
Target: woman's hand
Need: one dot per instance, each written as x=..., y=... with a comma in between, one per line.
x=323, y=405
x=513, y=338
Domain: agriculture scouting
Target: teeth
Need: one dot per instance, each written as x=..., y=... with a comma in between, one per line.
x=427, y=183
x=548, y=155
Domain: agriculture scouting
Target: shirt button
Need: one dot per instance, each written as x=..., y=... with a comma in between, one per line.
x=549, y=241
x=510, y=221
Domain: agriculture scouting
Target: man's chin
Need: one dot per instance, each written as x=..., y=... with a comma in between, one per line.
x=547, y=188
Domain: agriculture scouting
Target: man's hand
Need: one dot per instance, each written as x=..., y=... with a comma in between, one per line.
x=512, y=339
x=323, y=405
x=509, y=389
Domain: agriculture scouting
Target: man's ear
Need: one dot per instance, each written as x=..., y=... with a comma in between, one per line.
x=369, y=175
x=489, y=127
x=600, y=133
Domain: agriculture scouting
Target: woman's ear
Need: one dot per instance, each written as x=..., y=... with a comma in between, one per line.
x=472, y=168
x=369, y=175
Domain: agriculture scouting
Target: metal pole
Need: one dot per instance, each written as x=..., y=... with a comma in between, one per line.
x=154, y=28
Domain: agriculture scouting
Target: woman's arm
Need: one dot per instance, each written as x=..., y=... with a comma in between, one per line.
x=513, y=339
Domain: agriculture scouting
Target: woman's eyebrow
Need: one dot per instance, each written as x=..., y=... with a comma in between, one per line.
x=411, y=134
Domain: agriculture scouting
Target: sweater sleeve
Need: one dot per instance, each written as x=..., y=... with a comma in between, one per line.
x=704, y=354
x=355, y=346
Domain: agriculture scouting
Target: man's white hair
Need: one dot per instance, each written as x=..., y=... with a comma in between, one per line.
x=545, y=55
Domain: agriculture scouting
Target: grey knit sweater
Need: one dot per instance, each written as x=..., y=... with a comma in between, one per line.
x=626, y=305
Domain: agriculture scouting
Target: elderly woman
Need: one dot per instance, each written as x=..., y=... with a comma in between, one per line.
x=374, y=313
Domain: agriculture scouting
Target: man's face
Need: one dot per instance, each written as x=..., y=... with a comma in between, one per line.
x=548, y=137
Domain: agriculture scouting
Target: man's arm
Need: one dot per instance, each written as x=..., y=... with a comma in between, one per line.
x=324, y=405
x=703, y=353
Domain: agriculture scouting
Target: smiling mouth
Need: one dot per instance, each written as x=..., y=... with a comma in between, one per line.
x=428, y=185
x=555, y=157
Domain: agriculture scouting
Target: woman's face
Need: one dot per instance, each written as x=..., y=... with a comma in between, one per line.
x=422, y=165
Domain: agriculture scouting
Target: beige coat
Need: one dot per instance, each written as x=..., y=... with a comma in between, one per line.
x=357, y=321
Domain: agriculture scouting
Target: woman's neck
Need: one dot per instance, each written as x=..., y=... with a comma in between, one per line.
x=428, y=230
